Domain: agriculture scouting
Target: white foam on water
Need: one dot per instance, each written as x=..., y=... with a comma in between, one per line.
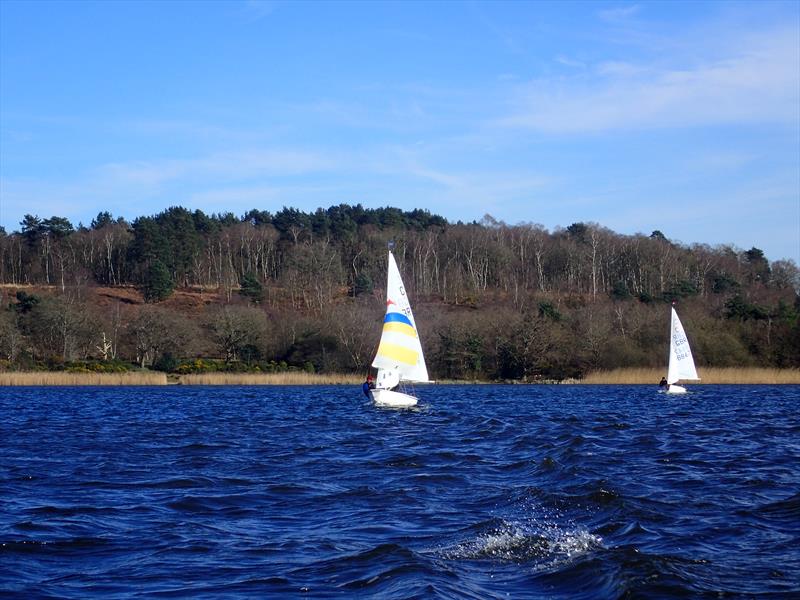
x=538, y=539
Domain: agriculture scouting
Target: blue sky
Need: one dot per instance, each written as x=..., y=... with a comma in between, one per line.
x=677, y=116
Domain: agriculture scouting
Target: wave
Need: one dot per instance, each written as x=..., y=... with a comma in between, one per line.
x=71, y=511
x=542, y=544
x=71, y=545
x=386, y=569
x=780, y=516
x=788, y=508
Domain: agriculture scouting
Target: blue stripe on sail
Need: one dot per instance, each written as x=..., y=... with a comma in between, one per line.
x=393, y=316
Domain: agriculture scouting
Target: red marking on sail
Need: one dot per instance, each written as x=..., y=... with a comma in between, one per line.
x=388, y=302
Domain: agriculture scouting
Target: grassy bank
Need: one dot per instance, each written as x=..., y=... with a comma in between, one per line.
x=62, y=378
x=744, y=375
x=288, y=378
x=156, y=378
x=733, y=375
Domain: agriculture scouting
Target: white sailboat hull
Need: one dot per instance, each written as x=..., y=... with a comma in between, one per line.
x=392, y=399
x=676, y=389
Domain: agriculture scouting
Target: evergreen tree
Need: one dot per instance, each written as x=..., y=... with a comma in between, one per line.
x=102, y=219
x=26, y=302
x=31, y=229
x=363, y=284
x=578, y=231
x=57, y=227
x=251, y=288
x=257, y=217
x=158, y=285
x=758, y=264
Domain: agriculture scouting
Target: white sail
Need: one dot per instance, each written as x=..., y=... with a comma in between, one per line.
x=681, y=363
x=400, y=350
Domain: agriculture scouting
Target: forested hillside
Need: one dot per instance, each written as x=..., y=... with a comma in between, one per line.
x=183, y=291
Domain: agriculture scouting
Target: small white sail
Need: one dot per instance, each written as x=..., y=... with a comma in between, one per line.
x=681, y=363
x=400, y=349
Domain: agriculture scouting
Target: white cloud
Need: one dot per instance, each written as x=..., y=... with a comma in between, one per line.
x=244, y=164
x=255, y=10
x=759, y=83
x=64, y=199
x=175, y=128
x=570, y=62
x=620, y=69
x=619, y=14
x=718, y=161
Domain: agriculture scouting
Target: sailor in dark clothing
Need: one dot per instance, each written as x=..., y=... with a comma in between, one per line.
x=368, y=385
x=663, y=383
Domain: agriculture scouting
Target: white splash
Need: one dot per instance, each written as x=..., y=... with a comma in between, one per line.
x=541, y=541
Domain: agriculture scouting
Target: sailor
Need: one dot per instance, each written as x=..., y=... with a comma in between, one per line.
x=663, y=383
x=368, y=385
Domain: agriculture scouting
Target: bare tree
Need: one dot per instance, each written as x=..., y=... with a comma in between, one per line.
x=235, y=328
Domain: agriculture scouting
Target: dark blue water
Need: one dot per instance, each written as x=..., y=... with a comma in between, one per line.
x=481, y=492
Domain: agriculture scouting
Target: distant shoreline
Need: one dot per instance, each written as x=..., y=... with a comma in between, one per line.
x=633, y=376
x=708, y=375
x=146, y=378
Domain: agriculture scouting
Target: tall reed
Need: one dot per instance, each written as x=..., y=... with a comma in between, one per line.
x=288, y=378
x=64, y=378
x=733, y=375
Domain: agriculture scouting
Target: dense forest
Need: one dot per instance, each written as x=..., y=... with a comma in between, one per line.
x=185, y=291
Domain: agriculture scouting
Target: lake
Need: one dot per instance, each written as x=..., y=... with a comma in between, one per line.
x=550, y=491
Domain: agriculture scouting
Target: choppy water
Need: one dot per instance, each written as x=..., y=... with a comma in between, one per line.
x=481, y=492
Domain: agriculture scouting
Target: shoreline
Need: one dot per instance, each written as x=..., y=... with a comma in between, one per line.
x=634, y=376
x=708, y=376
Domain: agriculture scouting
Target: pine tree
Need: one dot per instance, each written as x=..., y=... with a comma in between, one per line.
x=158, y=284
x=251, y=288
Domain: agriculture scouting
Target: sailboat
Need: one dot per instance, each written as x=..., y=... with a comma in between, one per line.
x=681, y=363
x=399, y=357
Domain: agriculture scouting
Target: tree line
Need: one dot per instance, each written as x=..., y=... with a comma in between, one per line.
x=292, y=289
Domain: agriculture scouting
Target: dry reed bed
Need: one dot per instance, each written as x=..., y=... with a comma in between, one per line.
x=291, y=378
x=732, y=375
x=60, y=378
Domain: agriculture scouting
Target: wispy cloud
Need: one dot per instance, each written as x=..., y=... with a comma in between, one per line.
x=620, y=69
x=176, y=128
x=124, y=187
x=570, y=62
x=236, y=199
x=255, y=10
x=620, y=13
x=240, y=165
x=61, y=198
x=405, y=176
x=754, y=203
x=760, y=83
x=719, y=161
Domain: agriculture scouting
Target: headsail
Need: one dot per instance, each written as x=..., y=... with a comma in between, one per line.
x=681, y=363
x=400, y=348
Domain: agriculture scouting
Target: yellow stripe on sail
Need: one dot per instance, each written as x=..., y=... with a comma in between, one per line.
x=398, y=353
x=400, y=328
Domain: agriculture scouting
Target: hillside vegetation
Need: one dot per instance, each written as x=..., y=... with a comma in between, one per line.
x=190, y=293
